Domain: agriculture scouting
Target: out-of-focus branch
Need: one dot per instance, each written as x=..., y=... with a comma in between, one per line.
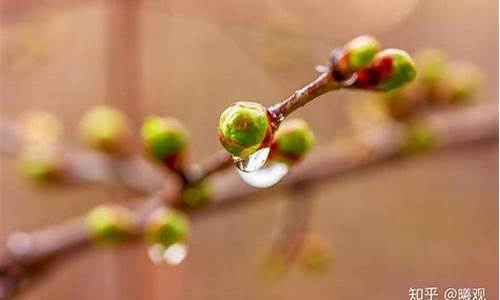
x=28, y=255
x=220, y=161
x=297, y=219
x=35, y=252
x=90, y=166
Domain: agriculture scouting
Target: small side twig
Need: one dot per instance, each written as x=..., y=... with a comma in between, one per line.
x=322, y=84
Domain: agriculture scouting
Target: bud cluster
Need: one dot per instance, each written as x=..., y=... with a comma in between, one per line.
x=363, y=64
x=439, y=83
x=40, y=158
x=246, y=127
x=293, y=140
x=106, y=129
x=166, y=227
x=165, y=140
x=109, y=223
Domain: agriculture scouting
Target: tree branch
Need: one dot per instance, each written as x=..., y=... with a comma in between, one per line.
x=33, y=253
x=301, y=97
x=87, y=166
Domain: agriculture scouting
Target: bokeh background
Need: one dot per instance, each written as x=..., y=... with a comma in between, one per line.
x=424, y=221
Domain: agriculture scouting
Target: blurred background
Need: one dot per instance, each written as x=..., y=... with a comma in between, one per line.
x=424, y=221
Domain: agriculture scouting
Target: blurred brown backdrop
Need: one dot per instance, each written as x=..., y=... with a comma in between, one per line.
x=425, y=221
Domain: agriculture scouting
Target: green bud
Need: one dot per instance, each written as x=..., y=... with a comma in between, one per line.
x=314, y=255
x=243, y=127
x=197, y=195
x=167, y=227
x=419, y=138
x=165, y=139
x=274, y=264
x=109, y=223
x=42, y=162
x=293, y=140
x=431, y=66
x=360, y=51
x=463, y=81
x=106, y=129
x=395, y=67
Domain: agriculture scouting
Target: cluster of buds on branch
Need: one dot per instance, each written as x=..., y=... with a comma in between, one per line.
x=260, y=141
x=440, y=84
x=248, y=130
x=263, y=145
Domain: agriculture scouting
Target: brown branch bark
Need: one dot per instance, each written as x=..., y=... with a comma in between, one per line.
x=374, y=145
x=87, y=166
x=324, y=83
x=347, y=154
x=29, y=255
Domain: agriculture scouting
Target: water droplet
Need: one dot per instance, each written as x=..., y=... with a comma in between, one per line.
x=155, y=253
x=175, y=254
x=267, y=176
x=253, y=162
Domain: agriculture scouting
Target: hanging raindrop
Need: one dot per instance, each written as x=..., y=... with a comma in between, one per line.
x=172, y=255
x=175, y=254
x=252, y=162
x=270, y=174
x=155, y=253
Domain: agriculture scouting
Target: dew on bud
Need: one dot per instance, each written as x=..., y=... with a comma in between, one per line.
x=270, y=174
x=155, y=253
x=167, y=227
x=252, y=162
x=244, y=128
x=175, y=254
x=172, y=255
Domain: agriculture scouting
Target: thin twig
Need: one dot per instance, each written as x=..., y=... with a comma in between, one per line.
x=29, y=255
x=322, y=84
x=87, y=166
x=347, y=154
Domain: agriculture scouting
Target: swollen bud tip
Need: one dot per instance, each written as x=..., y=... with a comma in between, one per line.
x=42, y=163
x=109, y=223
x=396, y=69
x=360, y=51
x=106, y=129
x=167, y=227
x=165, y=139
x=354, y=56
x=390, y=69
x=197, y=195
x=244, y=127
